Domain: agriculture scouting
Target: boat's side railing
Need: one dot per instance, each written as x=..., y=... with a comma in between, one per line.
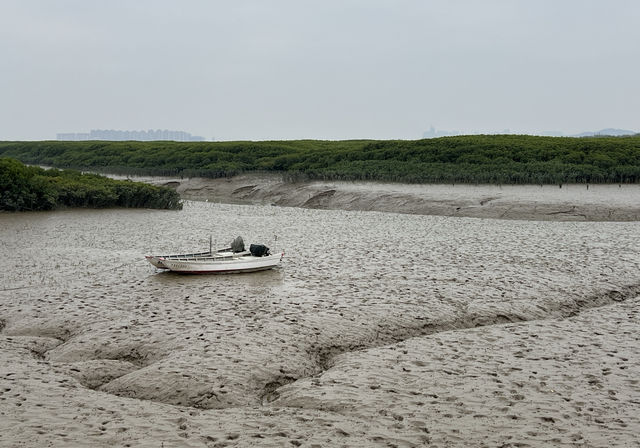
x=193, y=255
x=219, y=258
x=206, y=256
x=177, y=256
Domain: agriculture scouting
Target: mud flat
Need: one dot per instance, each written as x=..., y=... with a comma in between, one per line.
x=379, y=329
x=527, y=202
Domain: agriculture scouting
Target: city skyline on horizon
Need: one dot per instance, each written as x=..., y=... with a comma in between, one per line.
x=183, y=136
x=123, y=135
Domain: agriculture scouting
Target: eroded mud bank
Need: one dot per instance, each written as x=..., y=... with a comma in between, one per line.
x=523, y=202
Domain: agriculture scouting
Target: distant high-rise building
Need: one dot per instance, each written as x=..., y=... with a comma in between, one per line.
x=434, y=133
x=115, y=135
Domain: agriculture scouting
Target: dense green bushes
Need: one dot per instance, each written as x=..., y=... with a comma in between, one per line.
x=474, y=159
x=32, y=188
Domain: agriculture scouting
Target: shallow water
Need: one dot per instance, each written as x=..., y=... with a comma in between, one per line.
x=76, y=281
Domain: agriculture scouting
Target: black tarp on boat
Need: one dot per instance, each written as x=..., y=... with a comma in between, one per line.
x=259, y=250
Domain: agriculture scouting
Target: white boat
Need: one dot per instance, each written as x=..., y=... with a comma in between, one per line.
x=223, y=261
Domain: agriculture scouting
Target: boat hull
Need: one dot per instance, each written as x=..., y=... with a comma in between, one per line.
x=157, y=260
x=221, y=266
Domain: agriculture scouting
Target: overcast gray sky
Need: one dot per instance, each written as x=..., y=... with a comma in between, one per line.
x=330, y=69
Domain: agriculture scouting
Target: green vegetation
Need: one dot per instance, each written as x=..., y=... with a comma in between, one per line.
x=33, y=188
x=469, y=159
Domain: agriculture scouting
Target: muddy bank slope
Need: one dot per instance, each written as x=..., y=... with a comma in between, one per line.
x=524, y=202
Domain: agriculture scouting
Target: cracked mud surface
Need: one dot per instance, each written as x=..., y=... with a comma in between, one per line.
x=379, y=329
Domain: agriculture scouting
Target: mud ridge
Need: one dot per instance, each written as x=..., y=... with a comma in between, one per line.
x=132, y=356
x=270, y=390
x=243, y=191
x=102, y=371
x=324, y=357
x=91, y=372
x=319, y=200
x=485, y=201
x=96, y=374
x=46, y=339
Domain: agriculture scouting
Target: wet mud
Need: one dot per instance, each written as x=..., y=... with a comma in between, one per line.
x=378, y=329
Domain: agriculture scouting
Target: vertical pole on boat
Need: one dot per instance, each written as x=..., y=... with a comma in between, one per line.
x=210, y=249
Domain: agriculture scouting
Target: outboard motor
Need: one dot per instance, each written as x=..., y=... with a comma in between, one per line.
x=259, y=250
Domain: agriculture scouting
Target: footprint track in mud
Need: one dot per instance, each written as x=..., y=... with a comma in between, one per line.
x=325, y=356
x=129, y=359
